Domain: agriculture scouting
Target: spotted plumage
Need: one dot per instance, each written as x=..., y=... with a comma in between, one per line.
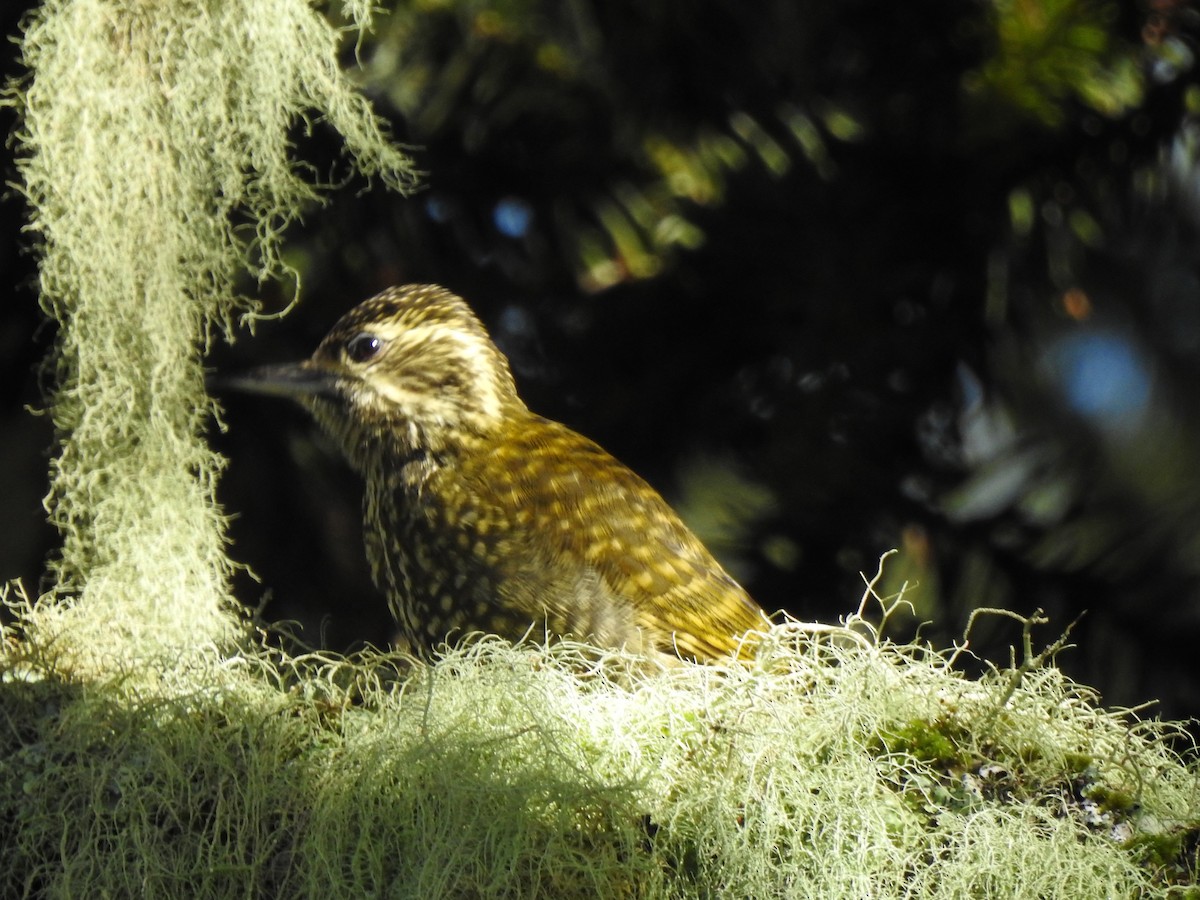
x=483, y=516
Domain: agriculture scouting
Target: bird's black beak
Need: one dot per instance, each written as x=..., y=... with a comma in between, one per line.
x=294, y=380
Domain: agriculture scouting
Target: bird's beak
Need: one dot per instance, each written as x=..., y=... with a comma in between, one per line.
x=295, y=380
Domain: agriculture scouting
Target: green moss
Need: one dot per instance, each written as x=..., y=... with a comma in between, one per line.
x=1173, y=855
x=940, y=743
x=1109, y=798
x=1078, y=762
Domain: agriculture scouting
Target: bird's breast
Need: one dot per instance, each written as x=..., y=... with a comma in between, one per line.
x=442, y=558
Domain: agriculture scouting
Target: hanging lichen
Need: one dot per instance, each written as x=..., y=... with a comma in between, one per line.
x=154, y=152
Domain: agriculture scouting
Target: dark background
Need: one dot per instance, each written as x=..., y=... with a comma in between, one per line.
x=836, y=278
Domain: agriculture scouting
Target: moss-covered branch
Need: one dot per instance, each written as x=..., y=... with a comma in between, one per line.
x=835, y=766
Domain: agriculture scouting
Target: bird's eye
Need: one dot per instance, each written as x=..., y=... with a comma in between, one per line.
x=363, y=347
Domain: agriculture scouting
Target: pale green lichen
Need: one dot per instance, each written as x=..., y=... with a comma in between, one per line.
x=566, y=771
x=153, y=148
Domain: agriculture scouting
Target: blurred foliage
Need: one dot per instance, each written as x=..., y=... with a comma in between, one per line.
x=1048, y=53
x=629, y=159
x=928, y=272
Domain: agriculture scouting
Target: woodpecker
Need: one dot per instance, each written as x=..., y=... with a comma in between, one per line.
x=482, y=516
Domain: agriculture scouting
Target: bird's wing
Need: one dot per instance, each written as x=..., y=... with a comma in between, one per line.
x=590, y=517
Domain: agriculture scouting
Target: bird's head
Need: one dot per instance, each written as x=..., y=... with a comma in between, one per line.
x=412, y=364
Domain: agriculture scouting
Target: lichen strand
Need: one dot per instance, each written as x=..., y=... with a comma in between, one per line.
x=153, y=150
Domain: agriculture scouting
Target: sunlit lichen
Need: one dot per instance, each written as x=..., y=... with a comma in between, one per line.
x=153, y=150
